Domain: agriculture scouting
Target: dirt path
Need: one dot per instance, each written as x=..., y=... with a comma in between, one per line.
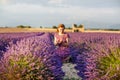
x=70, y=71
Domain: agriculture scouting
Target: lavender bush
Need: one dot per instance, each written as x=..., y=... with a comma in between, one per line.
x=91, y=47
x=47, y=63
x=95, y=54
x=109, y=65
x=7, y=39
x=24, y=67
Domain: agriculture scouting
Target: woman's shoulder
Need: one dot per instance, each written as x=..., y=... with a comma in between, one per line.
x=56, y=35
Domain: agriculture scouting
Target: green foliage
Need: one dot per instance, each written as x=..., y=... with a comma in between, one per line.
x=109, y=66
x=81, y=26
x=68, y=28
x=40, y=26
x=112, y=29
x=25, y=67
x=54, y=27
x=75, y=25
x=21, y=26
x=27, y=26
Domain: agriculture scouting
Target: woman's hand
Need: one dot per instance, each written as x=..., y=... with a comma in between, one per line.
x=59, y=41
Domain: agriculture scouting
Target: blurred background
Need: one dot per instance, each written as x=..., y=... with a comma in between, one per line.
x=100, y=14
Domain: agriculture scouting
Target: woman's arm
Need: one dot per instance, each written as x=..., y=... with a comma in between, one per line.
x=67, y=41
x=55, y=41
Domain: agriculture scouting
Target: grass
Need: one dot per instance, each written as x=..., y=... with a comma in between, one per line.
x=109, y=66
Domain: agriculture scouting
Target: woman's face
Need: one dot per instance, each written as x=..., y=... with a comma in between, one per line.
x=61, y=30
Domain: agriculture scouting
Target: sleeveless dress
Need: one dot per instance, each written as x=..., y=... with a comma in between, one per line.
x=62, y=50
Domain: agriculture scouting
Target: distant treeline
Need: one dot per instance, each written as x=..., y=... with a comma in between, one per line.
x=55, y=27
x=22, y=26
x=19, y=26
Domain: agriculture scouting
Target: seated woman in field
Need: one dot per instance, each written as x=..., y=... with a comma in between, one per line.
x=61, y=40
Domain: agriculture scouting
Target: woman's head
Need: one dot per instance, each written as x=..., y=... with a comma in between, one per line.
x=61, y=28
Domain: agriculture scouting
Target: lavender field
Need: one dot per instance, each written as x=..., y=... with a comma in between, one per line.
x=33, y=56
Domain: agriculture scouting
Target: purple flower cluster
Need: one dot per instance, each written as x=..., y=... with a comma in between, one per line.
x=7, y=39
x=40, y=46
x=34, y=55
x=90, y=48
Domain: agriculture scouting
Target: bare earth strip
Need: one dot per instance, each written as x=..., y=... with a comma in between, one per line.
x=102, y=31
x=9, y=30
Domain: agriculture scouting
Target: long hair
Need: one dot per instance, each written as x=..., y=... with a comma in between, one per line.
x=60, y=26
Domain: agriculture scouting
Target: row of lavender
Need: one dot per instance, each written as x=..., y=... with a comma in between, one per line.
x=7, y=38
x=97, y=56
x=27, y=56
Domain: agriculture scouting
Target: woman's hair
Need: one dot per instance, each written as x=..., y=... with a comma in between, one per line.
x=60, y=26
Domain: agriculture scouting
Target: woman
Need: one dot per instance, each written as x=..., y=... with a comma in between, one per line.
x=61, y=40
